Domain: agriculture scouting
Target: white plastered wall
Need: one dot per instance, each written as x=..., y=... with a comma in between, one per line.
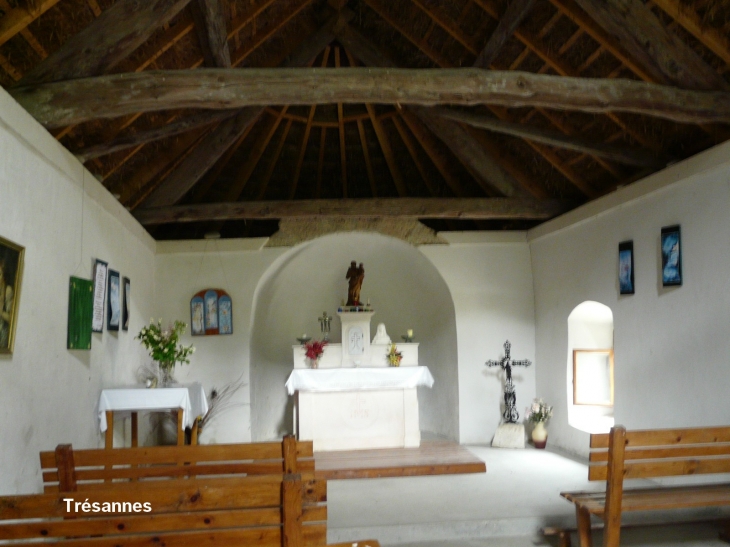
x=672, y=349
x=65, y=219
x=490, y=280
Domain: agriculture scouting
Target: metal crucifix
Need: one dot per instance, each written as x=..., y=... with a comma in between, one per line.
x=510, y=414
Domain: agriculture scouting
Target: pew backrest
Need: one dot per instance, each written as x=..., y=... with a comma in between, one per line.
x=69, y=470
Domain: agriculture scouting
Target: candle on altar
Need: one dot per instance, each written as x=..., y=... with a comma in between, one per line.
x=410, y=333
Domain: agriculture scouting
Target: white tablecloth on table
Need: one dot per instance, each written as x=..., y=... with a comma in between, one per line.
x=190, y=398
x=349, y=379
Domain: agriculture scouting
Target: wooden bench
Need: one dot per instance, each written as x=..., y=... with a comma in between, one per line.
x=69, y=470
x=647, y=454
x=257, y=510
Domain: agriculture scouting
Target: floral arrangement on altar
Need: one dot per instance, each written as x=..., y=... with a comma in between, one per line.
x=163, y=345
x=394, y=356
x=313, y=350
x=539, y=412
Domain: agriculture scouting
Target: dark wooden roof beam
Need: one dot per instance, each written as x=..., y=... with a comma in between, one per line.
x=512, y=18
x=210, y=24
x=455, y=208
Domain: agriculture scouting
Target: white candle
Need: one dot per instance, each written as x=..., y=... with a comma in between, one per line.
x=410, y=333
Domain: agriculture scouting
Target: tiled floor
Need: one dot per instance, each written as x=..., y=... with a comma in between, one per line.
x=507, y=506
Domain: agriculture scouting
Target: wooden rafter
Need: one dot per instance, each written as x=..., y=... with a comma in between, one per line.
x=19, y=18
x=341, y=132
x=712, y=38
x=516, y=12
x=641, y=33
x=630, y=156
x=25, y=33
x=411, y=147
x=448, y=26
x=384, y=141
x=273, y=161
x=211, y=27
x=457, y=208
x=110, y=39
x=320, y=163
x=366, y=156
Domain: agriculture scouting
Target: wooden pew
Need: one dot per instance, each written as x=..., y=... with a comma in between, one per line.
x=69, y=470
x=257, y=510
x=646, y=454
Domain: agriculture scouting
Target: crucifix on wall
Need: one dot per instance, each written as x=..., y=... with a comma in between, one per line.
x=510, y=413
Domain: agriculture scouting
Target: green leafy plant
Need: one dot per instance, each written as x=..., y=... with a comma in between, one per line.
x=163, y=345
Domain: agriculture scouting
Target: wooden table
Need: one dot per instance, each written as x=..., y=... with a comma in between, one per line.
x=188, y=401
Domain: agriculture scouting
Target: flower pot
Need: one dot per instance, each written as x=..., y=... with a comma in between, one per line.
x=539, y=435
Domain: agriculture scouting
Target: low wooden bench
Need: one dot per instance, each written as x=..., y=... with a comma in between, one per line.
x=646, y=454
x=69, y=470
x=260, y=511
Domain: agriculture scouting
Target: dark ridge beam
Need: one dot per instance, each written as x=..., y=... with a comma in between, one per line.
x=210, y=25
x=516, y=12
x=448, y=208
x=110, y=39
x=76, y=101
x=625, y=155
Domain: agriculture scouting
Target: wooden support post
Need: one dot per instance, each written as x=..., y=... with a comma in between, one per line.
x=180, y=428
x=66, y=468
x=134, y=430
x=289, y=449
x=109, y=437
x=583, y=517
x=291, y=509
x=614, y=486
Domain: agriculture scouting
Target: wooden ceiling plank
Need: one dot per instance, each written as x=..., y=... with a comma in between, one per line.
x=625, y=155
x=305, y=138
x=411, y=147
x=366, y=155
x=244, y=173
x=512, y=18
x=433, y=151
x=246, y=18
x=590, y=59
x=273, y=161
x=238, y=56
x=520, y=59
x=570, y=42
x=19, y=18
x=203, y=187
x=164, y=131
x=320, y=162
x=76, y=101
x=379, y=7
x=385, y=146
x=25, y=33
x=714, y=40
x=457, y=208
x=547, y=27
x=210, y=24
x=641, y=33
x=7, y=66
x=103, y=44
x=189, y=172
x=451, y=28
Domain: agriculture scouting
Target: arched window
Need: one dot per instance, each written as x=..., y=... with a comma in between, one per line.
x=590, y=367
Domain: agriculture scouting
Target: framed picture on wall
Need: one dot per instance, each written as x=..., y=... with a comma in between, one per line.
x=114, y=302
x=671, y=256
x=626, y=267
x=127, y=286
x=11, y=273
x=101, y=269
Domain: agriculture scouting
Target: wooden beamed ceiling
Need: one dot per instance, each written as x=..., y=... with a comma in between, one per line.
x=565, y=101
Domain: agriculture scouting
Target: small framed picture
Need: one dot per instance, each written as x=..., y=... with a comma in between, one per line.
x=671, y=256
x=127, y=284
x=100, y=274
x=626, y=267
x=11, y=274
x=114, y=302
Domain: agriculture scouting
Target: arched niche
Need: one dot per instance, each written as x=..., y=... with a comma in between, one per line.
x=406, y=292
x=590, y=327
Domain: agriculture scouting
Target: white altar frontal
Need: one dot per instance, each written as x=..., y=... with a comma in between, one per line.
x=354, y=399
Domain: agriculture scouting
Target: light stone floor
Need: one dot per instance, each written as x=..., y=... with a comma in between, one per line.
x=506, y=506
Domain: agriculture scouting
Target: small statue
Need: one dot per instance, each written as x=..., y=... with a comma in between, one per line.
x=381, y=337
x=356, y=275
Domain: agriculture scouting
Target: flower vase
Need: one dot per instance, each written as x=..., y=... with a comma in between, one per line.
x=312, y=363
x=167, y=372
x=539, y=435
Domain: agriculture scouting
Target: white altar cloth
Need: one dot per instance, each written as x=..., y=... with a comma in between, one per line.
x=190, y=398
x=350, y=379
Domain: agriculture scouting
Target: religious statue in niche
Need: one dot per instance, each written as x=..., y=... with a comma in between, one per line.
x=510, y=414
x=211, y=312
x=355, y=275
